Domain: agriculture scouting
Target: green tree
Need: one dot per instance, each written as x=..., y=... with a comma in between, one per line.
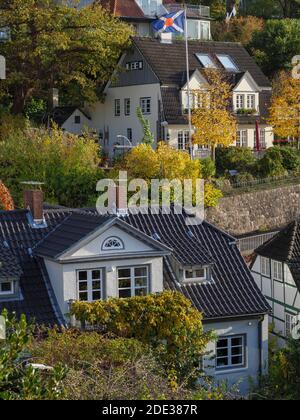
x=17, y=380
x=55, y=45
x=148, y=137
x=235, y=158
x=276, y=45
x=271, y=165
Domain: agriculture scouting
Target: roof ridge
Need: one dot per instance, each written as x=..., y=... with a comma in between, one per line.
x=293, y=240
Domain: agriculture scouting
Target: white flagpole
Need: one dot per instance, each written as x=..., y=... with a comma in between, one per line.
x=188, y=85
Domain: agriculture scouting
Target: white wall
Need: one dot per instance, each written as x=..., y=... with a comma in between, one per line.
x=78, y=129
x=64, y=277
x=104, y=119
x=240, y=376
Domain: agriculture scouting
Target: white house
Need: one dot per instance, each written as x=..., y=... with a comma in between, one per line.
x=276, y=270
x=79, y=255
x=71, y=119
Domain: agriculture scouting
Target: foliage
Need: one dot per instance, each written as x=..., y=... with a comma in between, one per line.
x=271, y=165
x=55, y=45
x=244, y=177
x=148, y=137
x=214, y=123
x=285, y=107
x=21, y=382
x=208, y=168
x=282, y=382
x=67, y=164
x=143, y=162
x=276, y=45
x=235, y=158
x=35, y=110
x=6, y=200
x=167, y=322
x=240, y=29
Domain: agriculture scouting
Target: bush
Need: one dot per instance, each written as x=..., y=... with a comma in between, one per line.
x=290, y=158
x=235, y=158
x=244, y=177
x=208, y=168
x=271, y=165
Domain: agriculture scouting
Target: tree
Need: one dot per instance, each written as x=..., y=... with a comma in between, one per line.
x=6, y=200
x=275, y=46
x=67, y=164
x=21, y=382
x=56, y=45
x=148, y=137
x=214, y=124
x=241, y=29
x=285, y=107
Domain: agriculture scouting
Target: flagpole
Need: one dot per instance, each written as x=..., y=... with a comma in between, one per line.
x=188, y=84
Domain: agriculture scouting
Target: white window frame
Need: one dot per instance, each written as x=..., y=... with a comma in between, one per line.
x=12, y=289
x=127, y=107
x=251, y=101
x=240, y=101
x=117, y=107
x=183, y=140
x=90, y=287
x=114, y=239
x=145, y=104
x=132, y=279
x=242, y=138
x=263, y=143
x=206, y=61
x=195, y=278
x=134, y=65
x=265, y=267
x=277, y=270
x=230, y=355
x=291, y=321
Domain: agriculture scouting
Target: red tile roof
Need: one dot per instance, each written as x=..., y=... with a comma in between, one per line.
x=123, y=8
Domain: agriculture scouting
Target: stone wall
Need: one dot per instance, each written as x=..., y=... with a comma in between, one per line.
x=260, y=210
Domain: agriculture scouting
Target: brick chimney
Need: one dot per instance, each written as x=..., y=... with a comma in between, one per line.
x=118, y=200
x=33, y=201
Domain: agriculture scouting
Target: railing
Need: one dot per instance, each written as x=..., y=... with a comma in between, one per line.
x=192, y=10
x=251, y=243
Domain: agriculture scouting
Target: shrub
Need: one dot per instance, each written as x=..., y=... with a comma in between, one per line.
x=244, y=177
x=271, y=165
x=235, y=158
x=290, y=158
x=208, y=168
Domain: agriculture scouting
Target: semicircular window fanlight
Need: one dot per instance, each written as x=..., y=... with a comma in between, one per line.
x=112, y=243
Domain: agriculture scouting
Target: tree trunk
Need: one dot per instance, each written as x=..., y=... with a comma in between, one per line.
x=213, y=153
x=18, y=104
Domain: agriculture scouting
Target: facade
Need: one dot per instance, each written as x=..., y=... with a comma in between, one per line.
x=70, y=119
x=154, y=79
x=72, y=254
x=276, y=272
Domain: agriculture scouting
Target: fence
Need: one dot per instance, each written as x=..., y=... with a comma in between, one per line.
x=251, y=243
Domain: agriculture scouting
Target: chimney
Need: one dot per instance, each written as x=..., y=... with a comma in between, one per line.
x=117, y=200
x=166, y=38
x=33, y=201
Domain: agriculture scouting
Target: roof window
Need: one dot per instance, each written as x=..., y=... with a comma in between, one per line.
x=227, y=62
x=206, y=61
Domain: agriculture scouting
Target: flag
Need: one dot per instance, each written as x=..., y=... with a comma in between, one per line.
x=171, y=22
x=231, y=15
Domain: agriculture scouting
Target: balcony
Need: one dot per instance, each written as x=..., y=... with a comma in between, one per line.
x=193, y=11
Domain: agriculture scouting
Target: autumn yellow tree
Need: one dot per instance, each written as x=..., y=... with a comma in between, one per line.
x=285, y=107
x=214, y=123
x=165, y=163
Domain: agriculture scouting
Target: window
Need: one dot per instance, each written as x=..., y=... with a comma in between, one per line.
x=265, y=266
x=251, y=102
x=145, y=105
x=183, y=140
x=227, y=62
x=242, y=138
x=134, y=65
x=240, y=102
x=90, y=287
x=117, y=108
x=230, y=352
x=291, y=322
x=127, y=106
x=112, y=243
x=277, y=271
x=133, y=281
x=129, y=134
x=196, y=274
x=6, y=288
x=206, y=61
x=262, y=138
x=77, y=119
x=205, y=30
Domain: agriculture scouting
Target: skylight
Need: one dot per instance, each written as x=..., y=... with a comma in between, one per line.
x=206, y=61
x=227, y=62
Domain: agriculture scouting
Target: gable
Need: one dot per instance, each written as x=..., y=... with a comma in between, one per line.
x=94, y=248
x=246, y=84
x=196, y=81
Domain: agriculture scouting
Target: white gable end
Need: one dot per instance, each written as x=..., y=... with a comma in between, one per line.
x=246, y=84
x=96, y=246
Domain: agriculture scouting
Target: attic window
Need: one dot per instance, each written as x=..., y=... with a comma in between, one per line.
x=227, y=62
x=134, y=65
x=199, y=274
x=6, y=287
x=77, y=119
x=112, y=243
x=206, y=61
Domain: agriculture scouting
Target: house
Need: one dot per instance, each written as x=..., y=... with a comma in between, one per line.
x=70, y=118
x=58, y=255
x=276, y=270
x=155, y=80
x=141, y=14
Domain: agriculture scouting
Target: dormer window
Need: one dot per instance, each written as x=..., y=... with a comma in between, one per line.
x=206, y=61
x=196, y=274
x=6, y=287
x=227, y=62
x=112, y=244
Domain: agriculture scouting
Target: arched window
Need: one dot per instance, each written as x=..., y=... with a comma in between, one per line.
x=112, y=243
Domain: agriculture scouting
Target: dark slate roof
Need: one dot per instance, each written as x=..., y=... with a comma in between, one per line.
x=74, y=228
x=172, y=106
x=285, y=247
x=9, y=265
x=38, y=299
x=233, y=292
x=61, y=114
x=169, y=63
